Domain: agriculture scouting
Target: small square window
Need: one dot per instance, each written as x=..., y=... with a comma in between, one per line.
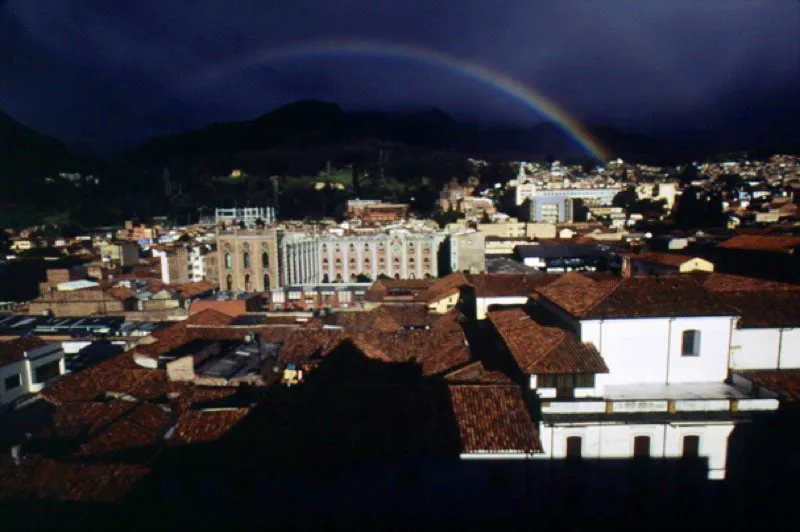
x=13, y=381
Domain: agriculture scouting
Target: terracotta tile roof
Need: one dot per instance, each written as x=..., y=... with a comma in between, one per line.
x=76, y=420
x=542, y=350
x=120, y=292
x=476, y=373
x=446, y=286
x=301, y=345
x=142, y=428
x=437, y=349
x=43, y=478
x=667, y=259
x=577, y=293
x=660, y=296
x=203, y=426
x=494, y=419
x=195, y=289
x=14, y=350
x=775, y=244
x=607, y=297
x=786, y=383
x=106, y=377
x=509, y=284
x=210, y=317
x=726, y=282
x=765, y=309
x=410, y=288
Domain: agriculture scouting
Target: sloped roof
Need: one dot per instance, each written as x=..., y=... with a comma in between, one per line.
x=542, y=350
x=786, y=383
x=770, y=243
x=43, y=478
x=493, y=419
x=601, y=296
x=14, y=350
x=578, y=293
x=667, y=259
x=203, y=426
x=509, y=284
x=476, y=373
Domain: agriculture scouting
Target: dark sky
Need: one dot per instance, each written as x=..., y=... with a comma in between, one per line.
x=106, y=74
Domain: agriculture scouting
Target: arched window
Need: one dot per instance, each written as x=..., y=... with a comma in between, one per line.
x=246, y=259
x=247, y=285
x=264, y=260
x=574, y=447
x=228, y=261
x=266, y=281
x=690, y=345
x=229, y=282
x=352, y=277
x=339, y=278
x=324, y=248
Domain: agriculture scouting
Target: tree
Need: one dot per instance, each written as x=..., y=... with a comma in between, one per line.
x=696, y=209
x=363, y=278
x=580, y=212
x=447, y=217
x=625, y=198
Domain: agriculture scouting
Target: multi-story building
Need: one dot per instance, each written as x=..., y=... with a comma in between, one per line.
x=249, y=216
x=278, y=258
x=549, y=209
x=375, y=211
x=28, y=364
x=123, y=253
x=399, y=255
x=466, y=252
x=590, y=196
x=247, y=260
x=300, y=260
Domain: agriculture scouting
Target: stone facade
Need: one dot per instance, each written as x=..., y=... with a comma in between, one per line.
x=247, y=260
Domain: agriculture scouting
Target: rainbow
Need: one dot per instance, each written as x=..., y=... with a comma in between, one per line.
x=506, y=84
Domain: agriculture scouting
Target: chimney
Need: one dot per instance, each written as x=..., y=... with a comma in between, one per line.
x=627, y=271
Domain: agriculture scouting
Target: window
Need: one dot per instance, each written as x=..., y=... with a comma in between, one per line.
x=247, y=286
x=13, y=381
x=691, y=446
x=228, y=261
x=690, y=346
x=566, y=381
x=264, y=260
x=266, y=281
x=641, y=447
x=46, y=372
x=574, y=447
x=246, y=259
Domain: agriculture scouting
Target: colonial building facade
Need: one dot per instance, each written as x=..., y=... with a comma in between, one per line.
x=248, y=260
x=399, y=256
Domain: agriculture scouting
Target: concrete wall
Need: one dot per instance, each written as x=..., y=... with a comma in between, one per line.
x=482, y=304
x=648, y=351
x=15, y=368
x=607, y=440
x=765, y=349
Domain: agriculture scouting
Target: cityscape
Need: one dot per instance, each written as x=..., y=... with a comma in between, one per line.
x=379, y=317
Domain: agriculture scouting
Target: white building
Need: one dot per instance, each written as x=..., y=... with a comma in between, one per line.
x=27, y=365
x=246, y=215
x=603, y=353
